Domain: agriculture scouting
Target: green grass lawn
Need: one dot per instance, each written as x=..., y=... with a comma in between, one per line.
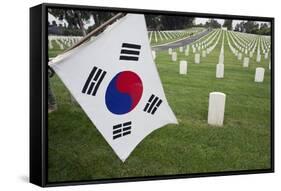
x=77, y=151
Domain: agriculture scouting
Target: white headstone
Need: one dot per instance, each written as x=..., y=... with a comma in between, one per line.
x=258, y=58
x=170, y=50
x=174, y=56
x=266, y=55
x=183, y=67
x=259, y=74
x=186, y=52
x=269, y=65
x=204, y=53
x=219, y=71
x=187, y=48
x=61, y=46
x=246, y=62
x=197, y=58
x=193, y=49
x=181, y=49
x=236, y=53
x=239, y=56
x=251, y=54
x=216, y=108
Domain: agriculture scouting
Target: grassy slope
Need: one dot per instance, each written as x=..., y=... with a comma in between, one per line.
x=78, y=152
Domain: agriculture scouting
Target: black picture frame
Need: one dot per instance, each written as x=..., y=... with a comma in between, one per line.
x=38, y=94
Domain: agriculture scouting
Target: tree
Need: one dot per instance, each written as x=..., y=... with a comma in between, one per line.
x=76, y=18
x=54, y=23
x=212, y=23
x=253, y=28
x=239, y=27
x=264, y=29
x=168, y=22
x=228, y=24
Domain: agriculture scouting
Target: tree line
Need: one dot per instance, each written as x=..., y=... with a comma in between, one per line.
x=253, y=27
x=76, y=19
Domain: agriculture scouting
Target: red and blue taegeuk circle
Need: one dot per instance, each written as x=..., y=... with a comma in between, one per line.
x=123, y=92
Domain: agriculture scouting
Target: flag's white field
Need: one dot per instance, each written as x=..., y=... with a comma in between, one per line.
x=107, y=56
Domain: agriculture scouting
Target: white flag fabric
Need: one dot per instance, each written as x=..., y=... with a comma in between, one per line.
x=116, y=82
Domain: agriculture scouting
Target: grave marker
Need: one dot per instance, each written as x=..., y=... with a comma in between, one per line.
x=219, y=71
x=174, y=56
x=197, y=58
x=251, y=54
x=183, y=67
x=258, y=57
x=181, y=49
x=239, y=56
x=170, y=50
x=266, y=55
x=186, y=53
x=246, y=62
x=204, y=53
x=259, y=75
x=216, y=108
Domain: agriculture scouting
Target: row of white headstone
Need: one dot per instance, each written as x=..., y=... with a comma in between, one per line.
x=249, y=50
x=217, y=99
x=166, y=35
x=171, y=34
x=197, y=56
x=205, y=47
x=174, y=56
x=63, y=41
x=259, y=74
x=220, y=65
x=217, y=102
x=216, y=107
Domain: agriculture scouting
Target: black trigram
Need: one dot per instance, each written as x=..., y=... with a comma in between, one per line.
x=122, y=129
x=130, y=52
x=93, y=81
x=152, y=105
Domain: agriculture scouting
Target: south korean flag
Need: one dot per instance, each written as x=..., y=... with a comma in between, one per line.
x=115, y=80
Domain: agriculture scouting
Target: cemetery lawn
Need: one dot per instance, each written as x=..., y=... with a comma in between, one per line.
x=77, y=151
